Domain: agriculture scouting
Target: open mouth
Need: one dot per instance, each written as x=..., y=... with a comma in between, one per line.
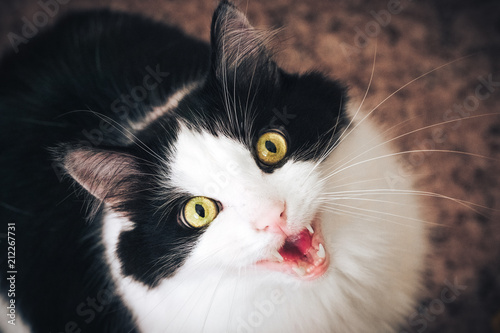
x=302, y=255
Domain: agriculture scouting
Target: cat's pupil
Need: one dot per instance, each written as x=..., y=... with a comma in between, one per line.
x=200, y=210
x=271, y=147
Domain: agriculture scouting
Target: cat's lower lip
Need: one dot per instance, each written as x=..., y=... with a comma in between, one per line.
x=308, y=262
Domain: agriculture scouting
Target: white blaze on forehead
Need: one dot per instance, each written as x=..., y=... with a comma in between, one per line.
x=225, y=169
x=206, y=165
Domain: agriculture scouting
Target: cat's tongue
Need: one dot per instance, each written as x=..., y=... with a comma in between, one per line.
x=296, y=246
x=302, y=255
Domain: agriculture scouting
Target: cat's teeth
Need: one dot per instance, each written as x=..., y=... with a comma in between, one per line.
x=277, y=255
x=311, y=230
x=321, y=252
x=299, y=270
x=319, y=261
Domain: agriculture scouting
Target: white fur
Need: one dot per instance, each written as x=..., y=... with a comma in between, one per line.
x=376, y=244
x=173, y=101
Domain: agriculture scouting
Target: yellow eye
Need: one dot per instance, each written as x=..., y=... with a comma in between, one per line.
x=199, y=212
x=271, y=148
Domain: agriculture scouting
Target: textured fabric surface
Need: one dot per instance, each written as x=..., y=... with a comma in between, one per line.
x=452, y=51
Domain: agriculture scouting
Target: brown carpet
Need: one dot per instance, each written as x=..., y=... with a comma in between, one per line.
x=416, y=37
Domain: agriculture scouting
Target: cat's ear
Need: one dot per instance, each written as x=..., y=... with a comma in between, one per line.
x=109, y=176
x=238, y=49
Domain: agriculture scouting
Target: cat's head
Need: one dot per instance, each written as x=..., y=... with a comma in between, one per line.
x=230, y=177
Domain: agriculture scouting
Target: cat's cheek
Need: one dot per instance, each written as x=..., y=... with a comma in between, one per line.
x=300, y=184
x=369, y=220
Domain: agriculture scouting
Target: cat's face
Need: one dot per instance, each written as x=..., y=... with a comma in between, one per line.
x=250, y=140
x=259, y=210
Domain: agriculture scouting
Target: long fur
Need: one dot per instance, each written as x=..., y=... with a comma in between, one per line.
x=136, y=161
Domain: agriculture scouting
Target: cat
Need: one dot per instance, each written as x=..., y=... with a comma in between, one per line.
x=154, y=183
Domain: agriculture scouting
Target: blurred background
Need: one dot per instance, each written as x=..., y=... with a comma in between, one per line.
x=451, y=49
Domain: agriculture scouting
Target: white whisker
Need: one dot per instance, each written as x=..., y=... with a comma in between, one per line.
x=407, y=152
x=399, y=89
x=400, y=217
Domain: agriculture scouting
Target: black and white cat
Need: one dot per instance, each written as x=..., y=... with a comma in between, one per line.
x=159, y=184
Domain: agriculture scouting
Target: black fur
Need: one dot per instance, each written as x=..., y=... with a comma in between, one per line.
x=80, y=64
x=65, y=93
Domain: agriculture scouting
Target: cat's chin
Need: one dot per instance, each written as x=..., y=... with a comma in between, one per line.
x=303, y=255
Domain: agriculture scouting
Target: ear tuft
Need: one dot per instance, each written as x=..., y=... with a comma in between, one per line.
x=237, y=47
x=107, y=175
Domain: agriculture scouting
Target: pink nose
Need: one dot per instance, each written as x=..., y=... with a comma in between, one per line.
x=272, y=219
